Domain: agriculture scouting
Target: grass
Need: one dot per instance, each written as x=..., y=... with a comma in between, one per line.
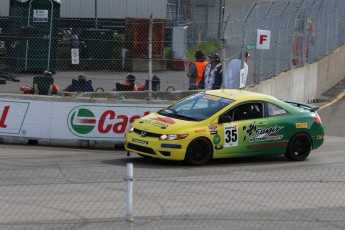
x=207, y=48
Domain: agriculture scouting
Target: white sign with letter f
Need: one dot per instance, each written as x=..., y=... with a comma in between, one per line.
x=263, y=39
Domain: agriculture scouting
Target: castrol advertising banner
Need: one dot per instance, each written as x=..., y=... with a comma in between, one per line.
x=64, y=120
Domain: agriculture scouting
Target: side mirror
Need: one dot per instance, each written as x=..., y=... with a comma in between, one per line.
x=224, y=119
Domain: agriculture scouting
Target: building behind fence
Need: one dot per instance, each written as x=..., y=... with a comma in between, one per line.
x=148, y=36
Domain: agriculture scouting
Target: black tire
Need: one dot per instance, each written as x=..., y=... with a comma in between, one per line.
x=299, y=147
x=199, y=152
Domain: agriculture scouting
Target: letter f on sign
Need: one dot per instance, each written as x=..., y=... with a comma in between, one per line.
x=263, y=38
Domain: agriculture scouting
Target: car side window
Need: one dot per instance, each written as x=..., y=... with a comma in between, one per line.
x=248, y=111
x=275, y=110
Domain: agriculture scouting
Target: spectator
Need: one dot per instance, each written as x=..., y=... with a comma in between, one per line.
x=128, y=85
x=196, y=70
x=233, y=78
x=43, y=85
x=80, y=85
x=213, y=75
x=155, y=84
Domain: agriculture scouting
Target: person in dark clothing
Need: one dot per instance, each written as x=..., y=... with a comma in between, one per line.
x=196, y=70
x=128, y=85
x=156, y=82
x=213, y=74
x=80, y=85
x=42, y=85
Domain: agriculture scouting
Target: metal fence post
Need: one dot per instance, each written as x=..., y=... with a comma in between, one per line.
x=224, y=67
x=150, y=55
x=129, y=194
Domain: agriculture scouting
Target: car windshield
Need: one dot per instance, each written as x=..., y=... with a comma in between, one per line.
x=196, y=107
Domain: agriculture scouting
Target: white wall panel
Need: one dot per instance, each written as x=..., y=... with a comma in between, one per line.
x=4, y=8
x=113, y=8
x=78, y=8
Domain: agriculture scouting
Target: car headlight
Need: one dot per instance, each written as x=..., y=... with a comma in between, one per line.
x=131, y=129
x=169, y=137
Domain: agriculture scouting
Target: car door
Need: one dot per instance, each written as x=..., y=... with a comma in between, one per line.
x=236, y=137
x=272, y=131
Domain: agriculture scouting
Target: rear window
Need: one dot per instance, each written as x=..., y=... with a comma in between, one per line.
x=275, y=110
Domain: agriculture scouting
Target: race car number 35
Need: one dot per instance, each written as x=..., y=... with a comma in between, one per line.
x=230, y=136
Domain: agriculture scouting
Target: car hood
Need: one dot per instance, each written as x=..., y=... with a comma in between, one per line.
x=162, y=124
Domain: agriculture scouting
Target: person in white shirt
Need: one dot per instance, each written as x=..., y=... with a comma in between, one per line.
x=236, y=75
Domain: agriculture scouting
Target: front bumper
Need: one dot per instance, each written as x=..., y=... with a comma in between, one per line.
x=155, y=148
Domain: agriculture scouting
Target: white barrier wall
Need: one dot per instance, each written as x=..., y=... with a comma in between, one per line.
x=32, y=119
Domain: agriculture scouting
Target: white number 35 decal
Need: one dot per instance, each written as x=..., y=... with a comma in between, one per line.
x=230, y=136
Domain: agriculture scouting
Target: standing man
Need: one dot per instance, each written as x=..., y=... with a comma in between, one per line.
x=236, y=74
x=196, y=70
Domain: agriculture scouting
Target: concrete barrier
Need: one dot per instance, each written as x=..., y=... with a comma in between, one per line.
x=308, y=83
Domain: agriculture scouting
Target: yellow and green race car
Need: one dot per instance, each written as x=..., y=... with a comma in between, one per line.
x=227, y=123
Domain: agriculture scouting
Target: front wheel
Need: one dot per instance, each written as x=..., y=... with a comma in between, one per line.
x=199, y=152
x=299, y=147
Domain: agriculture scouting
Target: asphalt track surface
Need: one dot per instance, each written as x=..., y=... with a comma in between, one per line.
x=67, y=188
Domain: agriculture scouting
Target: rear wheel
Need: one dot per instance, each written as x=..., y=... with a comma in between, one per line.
x=199, y=152
x=299, y=147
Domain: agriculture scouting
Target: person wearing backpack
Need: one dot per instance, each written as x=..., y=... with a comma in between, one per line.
x=213, y=74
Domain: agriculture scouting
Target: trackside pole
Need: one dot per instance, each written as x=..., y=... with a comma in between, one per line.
x=129, y=195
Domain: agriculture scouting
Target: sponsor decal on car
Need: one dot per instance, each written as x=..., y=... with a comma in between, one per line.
x=160, y=124
x=278, y=112
x=216, y=139
x=214, y=98
x=167, y=120
x=200, y=131
x=139, y=141
x=273, y=138
x=212, y=127
x=255, y=134
x=319, y=137
x=218, y=147
x=301, y=125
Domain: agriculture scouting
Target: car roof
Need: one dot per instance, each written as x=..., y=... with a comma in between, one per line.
x=240, y=95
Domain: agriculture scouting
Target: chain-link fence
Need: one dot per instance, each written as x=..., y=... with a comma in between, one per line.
x=157, y=37
x=73, y=197
x=302, y=31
